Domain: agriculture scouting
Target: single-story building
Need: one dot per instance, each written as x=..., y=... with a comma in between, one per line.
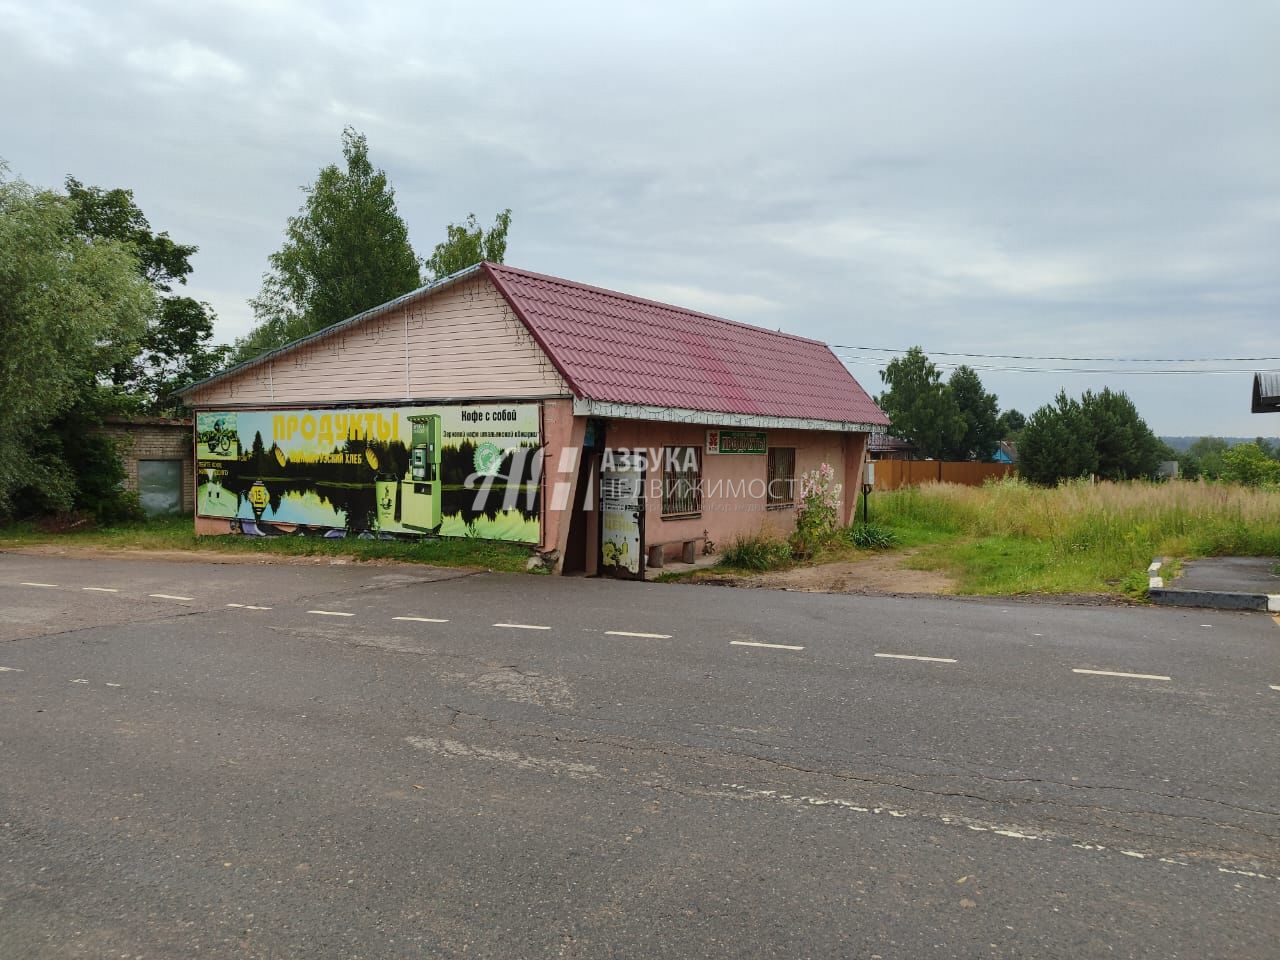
x=885, y=446
x=156, y=455
x=604, y=429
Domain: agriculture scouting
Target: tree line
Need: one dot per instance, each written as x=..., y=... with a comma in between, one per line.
x=1100, y=434
x=95, y=324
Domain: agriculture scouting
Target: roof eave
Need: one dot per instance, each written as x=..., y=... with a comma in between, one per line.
x=586, y=407
x=1266, y=393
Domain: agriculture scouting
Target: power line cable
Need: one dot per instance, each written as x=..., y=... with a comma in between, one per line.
x=1017, y=356
x=1108, y=371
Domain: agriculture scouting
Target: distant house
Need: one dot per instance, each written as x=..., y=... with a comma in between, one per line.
x=1006, y=452
x=1266, y=393
x=884, y=446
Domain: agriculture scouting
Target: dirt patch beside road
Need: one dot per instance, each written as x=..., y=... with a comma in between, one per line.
x=879, y=573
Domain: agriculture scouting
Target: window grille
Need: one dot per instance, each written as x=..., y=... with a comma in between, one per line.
x=681, y=481
x=780, y=491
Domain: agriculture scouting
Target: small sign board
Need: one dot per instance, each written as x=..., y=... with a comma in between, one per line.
x=622, y=522
x=737, y=441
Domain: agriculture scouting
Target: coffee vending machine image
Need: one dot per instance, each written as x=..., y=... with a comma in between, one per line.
x=420, y=488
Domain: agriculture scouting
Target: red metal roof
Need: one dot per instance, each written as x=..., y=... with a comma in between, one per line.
x=616, y=348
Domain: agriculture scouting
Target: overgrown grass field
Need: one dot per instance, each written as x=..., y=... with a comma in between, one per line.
x=177, y=534
x=1010, y=537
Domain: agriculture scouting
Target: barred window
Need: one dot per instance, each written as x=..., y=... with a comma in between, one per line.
x=780, y=491
x=681, y=481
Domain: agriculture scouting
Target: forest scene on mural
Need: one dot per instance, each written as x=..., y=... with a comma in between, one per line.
x=452, y=471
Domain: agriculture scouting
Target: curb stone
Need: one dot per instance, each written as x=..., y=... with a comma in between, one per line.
x=1157, y=592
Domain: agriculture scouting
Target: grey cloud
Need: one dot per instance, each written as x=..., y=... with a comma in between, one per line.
x=1088, y=178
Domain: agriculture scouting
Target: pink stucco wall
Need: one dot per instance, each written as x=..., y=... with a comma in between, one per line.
x=562, y=435
x=725, y=517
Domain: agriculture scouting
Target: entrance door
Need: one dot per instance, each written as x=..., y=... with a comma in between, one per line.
x=622, y=519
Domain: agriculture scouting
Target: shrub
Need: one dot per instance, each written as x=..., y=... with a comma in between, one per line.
x=1248, y=464
x=758, y=551
x=818, y=518
x=872, y=536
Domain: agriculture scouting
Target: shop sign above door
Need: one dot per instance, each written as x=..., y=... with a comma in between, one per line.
x=737, y=441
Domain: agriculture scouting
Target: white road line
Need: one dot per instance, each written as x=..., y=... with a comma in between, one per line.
x=421, y=619
x=642, y=636
x=79, y=681
x=770, y=646
x=29, y=583
x=101, y=589
x=169, y=596
x=521, y=626
x=239, y=606
x=1275, y=686
x=113, y=684
x=1112, y=673
x=250, y=606
x=10, y=670
x=908, y=656
x=330, y=613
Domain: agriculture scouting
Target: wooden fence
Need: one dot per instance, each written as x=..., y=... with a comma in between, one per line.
x=892, y=474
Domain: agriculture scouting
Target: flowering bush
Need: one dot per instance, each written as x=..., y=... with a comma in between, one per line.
x=818, y=519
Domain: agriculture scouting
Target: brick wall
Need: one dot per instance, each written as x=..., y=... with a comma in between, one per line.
x=155, y=438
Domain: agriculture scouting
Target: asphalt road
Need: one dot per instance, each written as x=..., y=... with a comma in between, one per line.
x=230, y=760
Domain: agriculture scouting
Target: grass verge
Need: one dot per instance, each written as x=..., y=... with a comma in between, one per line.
x=176, y=534
x=1009, y=537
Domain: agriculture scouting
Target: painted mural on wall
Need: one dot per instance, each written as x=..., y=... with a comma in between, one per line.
x=454, y=471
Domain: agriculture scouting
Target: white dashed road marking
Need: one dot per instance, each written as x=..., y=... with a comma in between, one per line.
x=330, y=613
x=909, y=656
x=79, y=681
x=770, y=646
x=421, y=619
x=169, y=596
x=10, y=670
x=1275, y=686
x=521, y=626
x=28, y=583
x=101, y=589
x=642, y=636
x=1127, y=676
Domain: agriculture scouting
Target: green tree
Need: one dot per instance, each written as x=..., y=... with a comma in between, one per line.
x=1249, y=464
x=467, y=244
x=919, y=405
x=346, y=250
x=1126, y=448
x=1101, y=434
x=1204, y=458
x=1057, y=443
x=980, y=411
x=1010, y=424
x=177, y=345
x=71, y=310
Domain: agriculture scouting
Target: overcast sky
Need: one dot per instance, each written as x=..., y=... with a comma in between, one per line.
x=1073, y=179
